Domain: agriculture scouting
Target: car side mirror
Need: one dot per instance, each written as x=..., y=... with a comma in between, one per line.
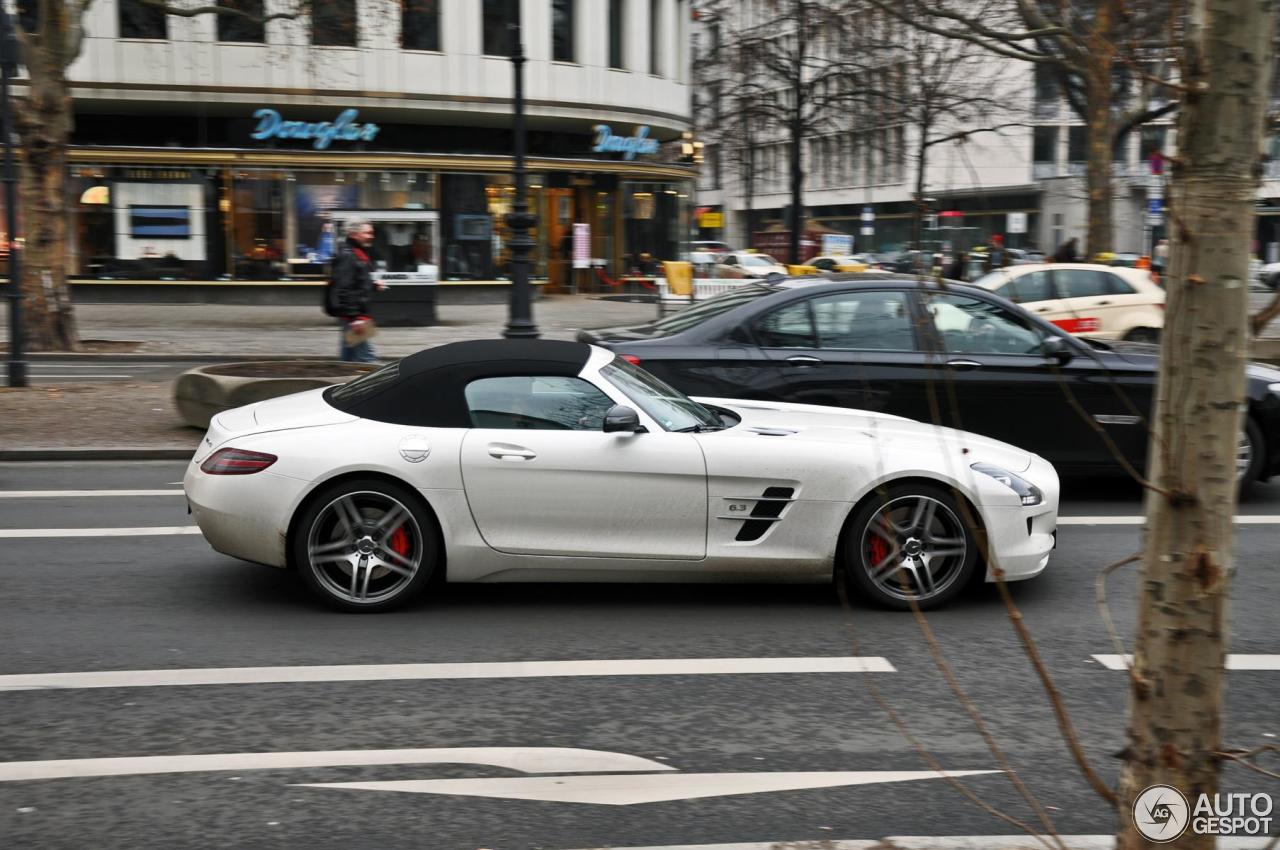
x=623, y=418
x=1057, y=348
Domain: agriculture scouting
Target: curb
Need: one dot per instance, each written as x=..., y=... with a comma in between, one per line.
x=72, y=356
x=98, y=453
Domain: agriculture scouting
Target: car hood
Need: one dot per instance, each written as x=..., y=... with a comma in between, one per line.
x=1147, y=354
x=838, y=424
x=300, y=410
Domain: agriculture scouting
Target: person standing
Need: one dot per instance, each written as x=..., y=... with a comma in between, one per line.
x=1067, y=252
x=353, y=286
x=958, y=269
x=1160, y=256
x=997, y=256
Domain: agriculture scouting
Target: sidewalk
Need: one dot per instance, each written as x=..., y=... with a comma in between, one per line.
x=138, y=418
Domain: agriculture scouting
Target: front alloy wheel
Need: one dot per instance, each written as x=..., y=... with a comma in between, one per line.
x=909, y=545
x=365, y=546
x=1248, y=453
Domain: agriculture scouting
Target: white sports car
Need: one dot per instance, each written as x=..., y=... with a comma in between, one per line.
x=529, y=460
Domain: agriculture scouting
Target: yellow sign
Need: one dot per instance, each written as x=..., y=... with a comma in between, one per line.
x=711, y=219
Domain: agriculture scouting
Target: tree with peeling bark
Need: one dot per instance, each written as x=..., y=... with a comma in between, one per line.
x=1176, y=678
x=1097, y=51
x=50, y=35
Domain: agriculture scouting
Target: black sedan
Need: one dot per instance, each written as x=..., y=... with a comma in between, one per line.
x=957, y=355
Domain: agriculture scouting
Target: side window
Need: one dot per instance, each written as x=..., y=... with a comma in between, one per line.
x=730, y=260
x=972, y=326
x=867, y=321
x=1080, y=283
x=787, y=327
x=1117, y=285
x=541, y=403
x=1028, y=287
x=824, y=264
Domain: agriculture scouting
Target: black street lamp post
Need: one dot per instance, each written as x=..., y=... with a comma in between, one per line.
x=520, y=323
x=8, y=65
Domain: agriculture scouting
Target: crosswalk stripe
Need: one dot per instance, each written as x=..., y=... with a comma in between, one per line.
x=83, y=494
x=1243, y=662
x=151, y=531
x=446, y=670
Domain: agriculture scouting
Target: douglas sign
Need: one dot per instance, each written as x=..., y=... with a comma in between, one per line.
x=321, y=134
x=628, y=146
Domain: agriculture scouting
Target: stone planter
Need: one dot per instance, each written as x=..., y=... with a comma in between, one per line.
x=200, y=394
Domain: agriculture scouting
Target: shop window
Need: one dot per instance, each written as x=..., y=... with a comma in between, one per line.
x=496, y=25
x=420, y=25
x=257, y=226
x=652, y=216
x=562, y=30
x=243, y=21
x=617, y=11
x=139, y=20
x=334, y=23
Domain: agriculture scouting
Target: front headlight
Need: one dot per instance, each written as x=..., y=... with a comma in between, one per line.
x=1027, y=492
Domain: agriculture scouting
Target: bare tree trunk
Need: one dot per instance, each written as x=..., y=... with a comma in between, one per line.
x=797, y=189
x=1098, y=122
x=917, y=217
x=44, y=124
x=1177, y=678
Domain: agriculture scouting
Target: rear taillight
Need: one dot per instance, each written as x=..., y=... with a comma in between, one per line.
x=632, y=359
x=236, y=462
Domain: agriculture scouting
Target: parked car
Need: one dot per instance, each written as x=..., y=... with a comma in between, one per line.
x=525, y=460
x=840, y=263
x=897, y=344
x=1107, y=302
x=752, y=265
x=710, y=247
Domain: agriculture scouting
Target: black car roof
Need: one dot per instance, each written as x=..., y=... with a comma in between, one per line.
x=427, y=389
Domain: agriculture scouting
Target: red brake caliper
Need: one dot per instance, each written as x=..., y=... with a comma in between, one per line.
x=878, y=549
x=400, y=542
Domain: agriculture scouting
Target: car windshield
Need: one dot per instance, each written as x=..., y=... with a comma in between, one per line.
x=710, y=308
x=672, y=409
x=990, y=280
x=758, y=260
x=350, y=394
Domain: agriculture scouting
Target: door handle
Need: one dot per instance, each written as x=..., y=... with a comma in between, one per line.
x=502, y=451
x=1042, y=309
x=804, y=360
x=1103, y=304
x=964, y=365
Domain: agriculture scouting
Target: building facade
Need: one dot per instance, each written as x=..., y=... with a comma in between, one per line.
x=217, y=147
x=1015, y=168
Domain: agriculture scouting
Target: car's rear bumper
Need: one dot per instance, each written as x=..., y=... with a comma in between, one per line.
x=244, y=516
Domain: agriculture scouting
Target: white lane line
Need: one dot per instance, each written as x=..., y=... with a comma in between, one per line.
x=1251, y=519
x=635, y=789
x=445, y=670
x=523, y=759
x=944, y=842
x=147, y=531
x=1245, y=662
x=83, y=494
x=83, y=375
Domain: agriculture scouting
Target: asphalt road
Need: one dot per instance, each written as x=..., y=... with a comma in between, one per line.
x=99, y=603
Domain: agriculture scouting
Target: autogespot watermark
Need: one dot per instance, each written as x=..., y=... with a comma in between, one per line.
x=1162, y=813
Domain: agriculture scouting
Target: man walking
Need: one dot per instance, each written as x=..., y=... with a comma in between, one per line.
x=353, y=289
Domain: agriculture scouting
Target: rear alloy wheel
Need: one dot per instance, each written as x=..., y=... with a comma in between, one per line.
x=365, y=546
x=1248, y=453
x=1151, y=335
x=909, y=544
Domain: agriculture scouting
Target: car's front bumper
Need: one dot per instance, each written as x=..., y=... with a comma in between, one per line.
x=1021, y=537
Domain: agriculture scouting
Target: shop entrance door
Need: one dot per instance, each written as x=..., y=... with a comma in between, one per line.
x=558, y=213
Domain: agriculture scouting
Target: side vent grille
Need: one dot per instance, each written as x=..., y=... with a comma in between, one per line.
x=766, y=512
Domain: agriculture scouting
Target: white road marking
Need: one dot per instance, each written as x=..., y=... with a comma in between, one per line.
x=945, y=842
x=481, y=670
x=83, y=494
x=631, y=790
x=150, y=531
x=82, y=375
x=1245, y=519
x=523, y=759
x=1243, y=662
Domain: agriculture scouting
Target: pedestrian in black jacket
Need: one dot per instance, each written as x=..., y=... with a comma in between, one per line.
x=1067, y=252
x=353, y=289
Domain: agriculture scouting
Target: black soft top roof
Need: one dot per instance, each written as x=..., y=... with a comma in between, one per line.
x=427, y=389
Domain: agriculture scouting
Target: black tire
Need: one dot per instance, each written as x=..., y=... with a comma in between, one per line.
x=1151, y=335
x=898, y=580
x=365, y=545
x=1245, y=476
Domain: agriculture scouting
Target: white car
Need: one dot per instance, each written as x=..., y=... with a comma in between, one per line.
x=531, y=460
x=752, y=265
x=1108, y=302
